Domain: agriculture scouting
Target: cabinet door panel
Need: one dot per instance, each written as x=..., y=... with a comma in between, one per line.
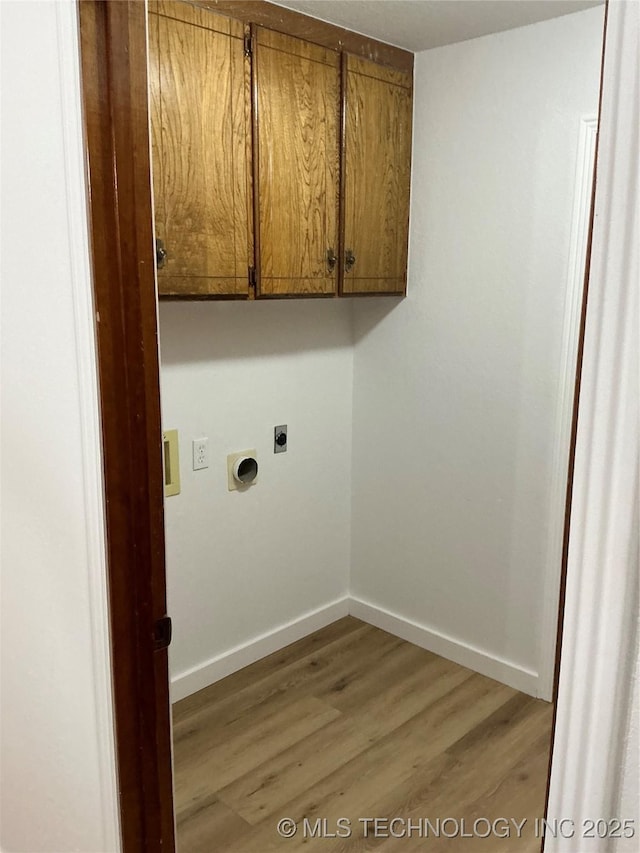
x=298, y=157
x=377, y=177
x=199, y=84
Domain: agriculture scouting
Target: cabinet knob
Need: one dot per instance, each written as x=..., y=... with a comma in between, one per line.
x=161, y=254
x=332, y=259
x=349, y=260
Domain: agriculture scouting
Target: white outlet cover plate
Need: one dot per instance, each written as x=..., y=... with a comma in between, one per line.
x=200, y=450
x=232, y=458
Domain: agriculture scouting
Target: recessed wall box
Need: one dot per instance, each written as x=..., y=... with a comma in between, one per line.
x=171, y=462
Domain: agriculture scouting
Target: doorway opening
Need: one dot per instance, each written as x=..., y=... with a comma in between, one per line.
x=117, y=67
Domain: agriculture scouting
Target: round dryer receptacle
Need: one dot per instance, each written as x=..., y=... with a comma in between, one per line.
x=242, y=469
x=245, y=470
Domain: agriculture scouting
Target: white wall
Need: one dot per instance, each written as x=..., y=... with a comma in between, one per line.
x=57, y=773
x=242, y=564
x=455, y=388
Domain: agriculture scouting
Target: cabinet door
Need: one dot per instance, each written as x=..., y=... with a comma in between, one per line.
x=201, y=132
x=377, y=170
x=297, y=115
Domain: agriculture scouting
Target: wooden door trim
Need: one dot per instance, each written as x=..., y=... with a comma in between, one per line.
x=114, y=94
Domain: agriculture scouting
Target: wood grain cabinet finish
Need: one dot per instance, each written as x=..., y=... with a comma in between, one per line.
x=201, y=134
x=377, y=174
x=278, y=163
x=297, y=178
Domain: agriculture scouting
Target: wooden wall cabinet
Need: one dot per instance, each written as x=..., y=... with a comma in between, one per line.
x=297, y=177
x=281, y=166
x=377, y=175
x=200, y=82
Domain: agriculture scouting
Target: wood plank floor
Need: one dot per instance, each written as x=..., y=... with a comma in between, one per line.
x=354, y=723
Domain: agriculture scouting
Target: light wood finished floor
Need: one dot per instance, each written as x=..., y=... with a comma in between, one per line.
x=352, y=722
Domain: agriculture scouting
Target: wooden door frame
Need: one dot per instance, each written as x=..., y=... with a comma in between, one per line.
x=115, y=102
x=114, y=94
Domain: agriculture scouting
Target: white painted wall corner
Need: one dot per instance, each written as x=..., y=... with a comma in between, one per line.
x=202, y=675
x=507, y=672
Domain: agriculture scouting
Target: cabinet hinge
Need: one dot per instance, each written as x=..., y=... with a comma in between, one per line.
x=248, y=49
x=162, y=631
x=253, y=279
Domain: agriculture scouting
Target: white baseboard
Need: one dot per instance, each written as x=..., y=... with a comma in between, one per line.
x=458, y=651
x=194, y=679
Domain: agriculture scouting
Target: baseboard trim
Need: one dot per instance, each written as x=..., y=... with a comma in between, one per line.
x=224, y=664
x=213, y=670
x=502, y=670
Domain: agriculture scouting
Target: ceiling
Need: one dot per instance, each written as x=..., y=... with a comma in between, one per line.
x=421, y=24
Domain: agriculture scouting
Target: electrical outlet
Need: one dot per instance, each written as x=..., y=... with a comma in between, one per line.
x=280, y=439
x=200, y=453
